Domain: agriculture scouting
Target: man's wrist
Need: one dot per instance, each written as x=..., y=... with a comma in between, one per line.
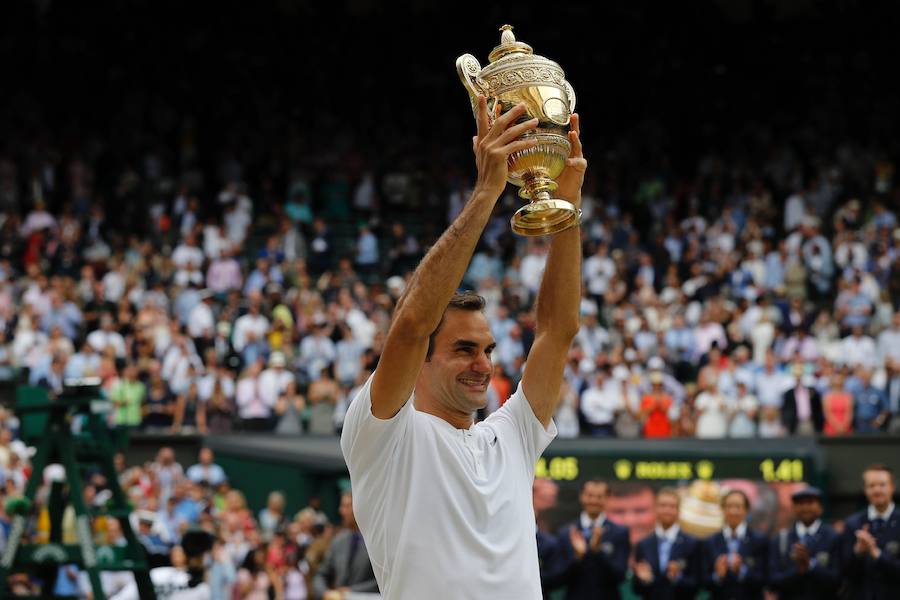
x=485, y=194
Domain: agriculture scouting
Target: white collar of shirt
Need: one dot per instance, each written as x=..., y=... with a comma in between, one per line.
x=587, y=522
x=874, y=514
x=739, y=532
x=803, y=530
x=670, y=534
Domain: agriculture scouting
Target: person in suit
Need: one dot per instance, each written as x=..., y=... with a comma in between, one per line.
x=550, y=562
x=667, y=562
x=804, y=559
x=346, y=566
x=550, y=559
x=735, y=559
x=871, y=548
x=594, y=549
x=801, y=408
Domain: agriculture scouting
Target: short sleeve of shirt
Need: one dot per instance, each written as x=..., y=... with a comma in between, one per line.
x=367, y=441
x=517, y=418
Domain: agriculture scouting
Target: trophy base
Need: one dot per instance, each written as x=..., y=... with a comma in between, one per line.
x=545, y=217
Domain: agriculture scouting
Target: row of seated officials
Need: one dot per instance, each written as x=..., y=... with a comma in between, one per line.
x=807, y=560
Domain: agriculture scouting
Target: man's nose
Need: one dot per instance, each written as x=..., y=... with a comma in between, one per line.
x=483, y=364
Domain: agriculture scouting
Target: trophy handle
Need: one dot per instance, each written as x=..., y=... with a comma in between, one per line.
x=469, y=70
x=570, y=92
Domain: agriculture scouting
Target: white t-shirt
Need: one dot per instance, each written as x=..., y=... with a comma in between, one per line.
x=446, y=512
x=170, y=584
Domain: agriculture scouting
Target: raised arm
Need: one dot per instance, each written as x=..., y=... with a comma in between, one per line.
x=559, y=297
x=420, y=309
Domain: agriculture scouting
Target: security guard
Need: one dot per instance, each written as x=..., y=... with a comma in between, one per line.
x=804, y=558
x=872, y=540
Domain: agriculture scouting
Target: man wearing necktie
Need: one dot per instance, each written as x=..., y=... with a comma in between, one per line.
x=871, y=544
x=735, y=559
x=804, y=559
x=595, y=550
x=346, y=566
x=667, y=562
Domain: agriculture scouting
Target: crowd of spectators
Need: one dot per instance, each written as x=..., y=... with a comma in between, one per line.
x=269, y=554
x=220, y=274
x=746, y=301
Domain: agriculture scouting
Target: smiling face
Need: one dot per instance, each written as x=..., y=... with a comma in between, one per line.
x=667, y=509
x=457, y=374
x=593, y=498
x=735, y=508
x=878, y=485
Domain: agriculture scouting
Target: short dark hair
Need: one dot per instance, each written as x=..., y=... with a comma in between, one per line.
x=669, y=491
x=740, y=493
x=464, y=300
x=595, y=481
x=625, y=489
x=879, y=467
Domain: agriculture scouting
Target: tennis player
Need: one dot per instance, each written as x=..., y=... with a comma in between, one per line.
x=444, y=505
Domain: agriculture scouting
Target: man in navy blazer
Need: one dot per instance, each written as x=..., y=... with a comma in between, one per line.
x=735, y=559
x=595, y=550
x=804, y=559
x=667, y=562
x=871, y=548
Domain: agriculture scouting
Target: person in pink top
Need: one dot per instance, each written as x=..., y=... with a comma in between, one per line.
x=838, y=408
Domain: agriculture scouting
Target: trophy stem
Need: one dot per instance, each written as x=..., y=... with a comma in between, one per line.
x=543, y=215
x=537, y=187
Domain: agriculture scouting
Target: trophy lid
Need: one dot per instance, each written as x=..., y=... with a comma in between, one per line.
x=508, y=45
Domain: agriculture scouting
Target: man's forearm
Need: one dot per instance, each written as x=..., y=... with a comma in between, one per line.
x=559, y=297
x=439, y=273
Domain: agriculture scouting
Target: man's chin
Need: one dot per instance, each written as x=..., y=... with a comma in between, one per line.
x=475, y=399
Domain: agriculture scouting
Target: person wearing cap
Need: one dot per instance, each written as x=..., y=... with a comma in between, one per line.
x=735, y=559
x=871, y=541
x=670, y=383
x=804, y=559
x=276, y=384
x=667, y=562
x=157, y=549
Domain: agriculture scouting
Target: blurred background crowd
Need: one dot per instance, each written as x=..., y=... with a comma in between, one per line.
x=219, y=227
x=236, y=268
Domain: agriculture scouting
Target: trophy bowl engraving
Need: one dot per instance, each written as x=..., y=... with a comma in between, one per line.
x=514, y=76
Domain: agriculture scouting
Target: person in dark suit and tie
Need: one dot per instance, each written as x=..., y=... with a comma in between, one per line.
x=550, y=562
x=550, y=554
x=872, y=540
x=667, y=562
x=804, y=559
x=801, y=408
x=595, y=550
x=346, y=566
x=736, y=559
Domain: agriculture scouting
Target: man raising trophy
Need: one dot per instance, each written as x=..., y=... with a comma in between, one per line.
x=444, y=505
